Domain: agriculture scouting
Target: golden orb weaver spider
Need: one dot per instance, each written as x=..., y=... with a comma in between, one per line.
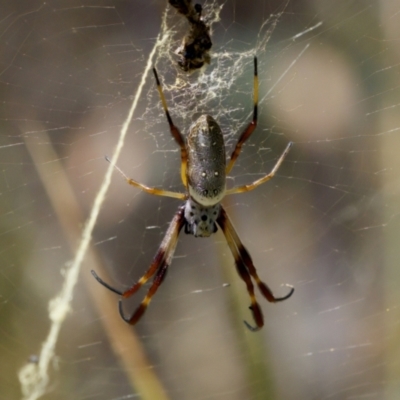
x=203, y=173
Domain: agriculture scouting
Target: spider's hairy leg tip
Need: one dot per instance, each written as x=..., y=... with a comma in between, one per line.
x=251, y=328
x=290, y=292
x=121, y=312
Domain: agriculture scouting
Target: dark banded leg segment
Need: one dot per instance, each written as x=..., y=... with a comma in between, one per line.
x=158, y=267
x=250, y=128
x=161, y=262
x=247, y=270
x=176, y=134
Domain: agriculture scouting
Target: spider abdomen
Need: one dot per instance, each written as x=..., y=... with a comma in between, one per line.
x=206, y=162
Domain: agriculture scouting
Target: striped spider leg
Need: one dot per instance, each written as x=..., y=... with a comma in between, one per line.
x=158, y=269
x=247, y=270
x=203, y=174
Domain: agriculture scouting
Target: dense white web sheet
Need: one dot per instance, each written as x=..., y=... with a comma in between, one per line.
x=70, y=74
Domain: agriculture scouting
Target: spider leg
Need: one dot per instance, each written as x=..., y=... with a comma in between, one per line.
x=266, y=178
x=140, y=310
x=252, y=125
x=174, y=131
x=160, y=263
x=157, y=260
x=147, y=189
x=159, y=267
x=105, y=284
x=247, y=270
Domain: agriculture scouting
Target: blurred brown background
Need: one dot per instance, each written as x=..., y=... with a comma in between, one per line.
x=327, y=224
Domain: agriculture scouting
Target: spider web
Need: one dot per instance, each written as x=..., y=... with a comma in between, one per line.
x=76, y=85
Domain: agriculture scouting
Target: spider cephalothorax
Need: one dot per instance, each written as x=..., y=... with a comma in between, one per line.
x=203, y=173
